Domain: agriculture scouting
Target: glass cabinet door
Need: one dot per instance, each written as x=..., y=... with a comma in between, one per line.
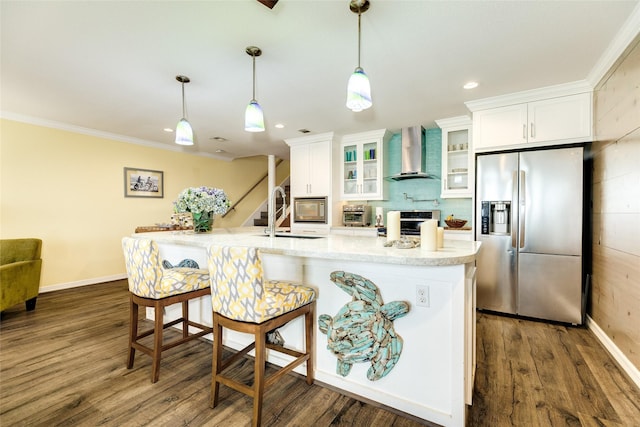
x=361, y=177
x=457, y=157
x=370, y=168
x=457, y=160
x=350, y=178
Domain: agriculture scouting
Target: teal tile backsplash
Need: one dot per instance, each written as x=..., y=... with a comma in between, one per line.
x=420, y=189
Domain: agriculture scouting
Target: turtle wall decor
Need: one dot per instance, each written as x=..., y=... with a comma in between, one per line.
x=362, y=331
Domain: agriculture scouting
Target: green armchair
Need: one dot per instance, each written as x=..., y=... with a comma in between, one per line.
x=20, y=266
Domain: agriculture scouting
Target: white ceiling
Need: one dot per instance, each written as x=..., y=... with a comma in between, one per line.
x=110, y=66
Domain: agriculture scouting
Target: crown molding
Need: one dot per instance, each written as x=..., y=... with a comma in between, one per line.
x=7, y=115
x=629, y=31
x=565, y=89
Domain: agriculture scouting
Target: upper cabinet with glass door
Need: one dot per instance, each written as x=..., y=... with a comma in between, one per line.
x=457, y=159
x=362, y=175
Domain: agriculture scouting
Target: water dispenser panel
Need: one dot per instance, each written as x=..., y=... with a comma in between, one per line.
x=499, y=217
x=484, y=217
x=495, y=217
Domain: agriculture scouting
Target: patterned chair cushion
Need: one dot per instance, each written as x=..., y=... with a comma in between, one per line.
x=239, y=292
x=148, y=279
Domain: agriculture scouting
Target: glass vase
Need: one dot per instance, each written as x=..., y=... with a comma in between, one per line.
x=202, y=222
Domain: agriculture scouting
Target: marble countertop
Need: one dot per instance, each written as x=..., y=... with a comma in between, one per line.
x=353, y=248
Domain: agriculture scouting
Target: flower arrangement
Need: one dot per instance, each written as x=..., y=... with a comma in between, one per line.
x=203, y=202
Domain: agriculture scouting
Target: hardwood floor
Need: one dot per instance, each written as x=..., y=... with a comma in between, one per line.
x=64, y=364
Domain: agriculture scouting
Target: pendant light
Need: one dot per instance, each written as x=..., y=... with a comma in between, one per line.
x=184, y=133
x=358, y=88
x=253, y=116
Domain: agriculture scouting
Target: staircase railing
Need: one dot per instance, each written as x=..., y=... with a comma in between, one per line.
x=237, y=202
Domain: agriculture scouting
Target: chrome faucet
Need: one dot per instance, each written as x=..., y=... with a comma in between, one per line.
x=272, y=209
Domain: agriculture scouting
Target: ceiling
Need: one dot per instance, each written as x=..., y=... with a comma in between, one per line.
x=109, y=67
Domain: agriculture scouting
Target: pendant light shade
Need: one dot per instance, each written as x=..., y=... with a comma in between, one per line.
x=184, y=132
x=358, y=91
x=253, y=115
x=359, y=88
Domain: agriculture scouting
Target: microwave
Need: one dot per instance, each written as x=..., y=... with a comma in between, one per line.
x=310, y=209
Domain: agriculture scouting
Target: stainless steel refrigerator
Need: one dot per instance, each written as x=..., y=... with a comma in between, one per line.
x=529, y=218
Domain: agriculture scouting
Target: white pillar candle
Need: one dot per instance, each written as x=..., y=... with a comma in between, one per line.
x=440, y=237
x=393, y=225
x=428, y=239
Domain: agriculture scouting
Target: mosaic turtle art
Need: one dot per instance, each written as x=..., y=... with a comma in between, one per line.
x=362, y=331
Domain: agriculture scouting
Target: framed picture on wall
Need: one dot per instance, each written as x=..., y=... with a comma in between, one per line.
x=143, y=183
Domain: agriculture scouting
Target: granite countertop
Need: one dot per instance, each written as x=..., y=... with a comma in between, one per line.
x=353, y=248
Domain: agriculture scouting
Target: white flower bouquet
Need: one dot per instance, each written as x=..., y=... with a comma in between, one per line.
x=203, y=202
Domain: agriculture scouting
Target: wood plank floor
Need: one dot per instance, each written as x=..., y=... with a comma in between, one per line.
x=64, y=365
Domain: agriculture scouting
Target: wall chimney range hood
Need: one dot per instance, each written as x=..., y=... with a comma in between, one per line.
x=411, y=155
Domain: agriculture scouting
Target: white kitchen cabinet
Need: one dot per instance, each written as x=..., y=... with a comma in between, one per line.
x=311, y=229
x=362, y=171
x=558, y=120
x=457, y=159
x=458, y=234
x=311, y=165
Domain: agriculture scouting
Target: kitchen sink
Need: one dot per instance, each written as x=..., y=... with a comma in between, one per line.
x=295, y=236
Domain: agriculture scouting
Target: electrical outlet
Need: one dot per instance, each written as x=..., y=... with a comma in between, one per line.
x=422, y=295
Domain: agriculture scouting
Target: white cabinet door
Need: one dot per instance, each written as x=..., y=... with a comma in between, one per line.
x=299, y=162
x=311, y=166
x=319, y=169
x=499, y=127
x=563, y=118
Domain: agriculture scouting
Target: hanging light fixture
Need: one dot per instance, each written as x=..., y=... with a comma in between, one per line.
x=358, y=88
x=184, y=133
x=253, y=116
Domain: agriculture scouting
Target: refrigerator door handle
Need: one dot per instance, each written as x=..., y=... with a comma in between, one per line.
x=514, y=198
x=521, y=202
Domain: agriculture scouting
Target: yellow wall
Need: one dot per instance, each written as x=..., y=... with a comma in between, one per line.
x=615, y=300
x=68, y=189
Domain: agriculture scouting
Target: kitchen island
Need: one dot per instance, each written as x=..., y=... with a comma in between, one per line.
x=433, y=377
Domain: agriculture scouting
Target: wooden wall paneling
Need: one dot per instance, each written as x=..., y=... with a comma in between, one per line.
x=616, y=100
x=615, y=284
x=621, y=232
x=615, y=296
x=620, y=158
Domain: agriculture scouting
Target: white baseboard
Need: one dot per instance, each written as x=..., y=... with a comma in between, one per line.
x=612, y=348
x=80, y=283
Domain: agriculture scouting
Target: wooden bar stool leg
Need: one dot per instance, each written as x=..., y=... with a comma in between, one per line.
x=308, y=323
x=185, y=316
x=157, y=342
x=133, y=331
x=216, y=361
x=258, y=386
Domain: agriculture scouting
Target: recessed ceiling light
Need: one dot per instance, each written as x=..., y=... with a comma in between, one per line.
x=168, y=130
x=279, y=125
x=218, y=139
x=470, y=85
x=304, y=130
x=219, y=150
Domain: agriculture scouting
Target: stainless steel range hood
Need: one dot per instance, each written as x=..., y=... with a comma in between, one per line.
x=411, y=155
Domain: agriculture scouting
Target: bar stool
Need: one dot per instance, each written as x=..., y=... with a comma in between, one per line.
x=244, y=302
x=150, y=285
